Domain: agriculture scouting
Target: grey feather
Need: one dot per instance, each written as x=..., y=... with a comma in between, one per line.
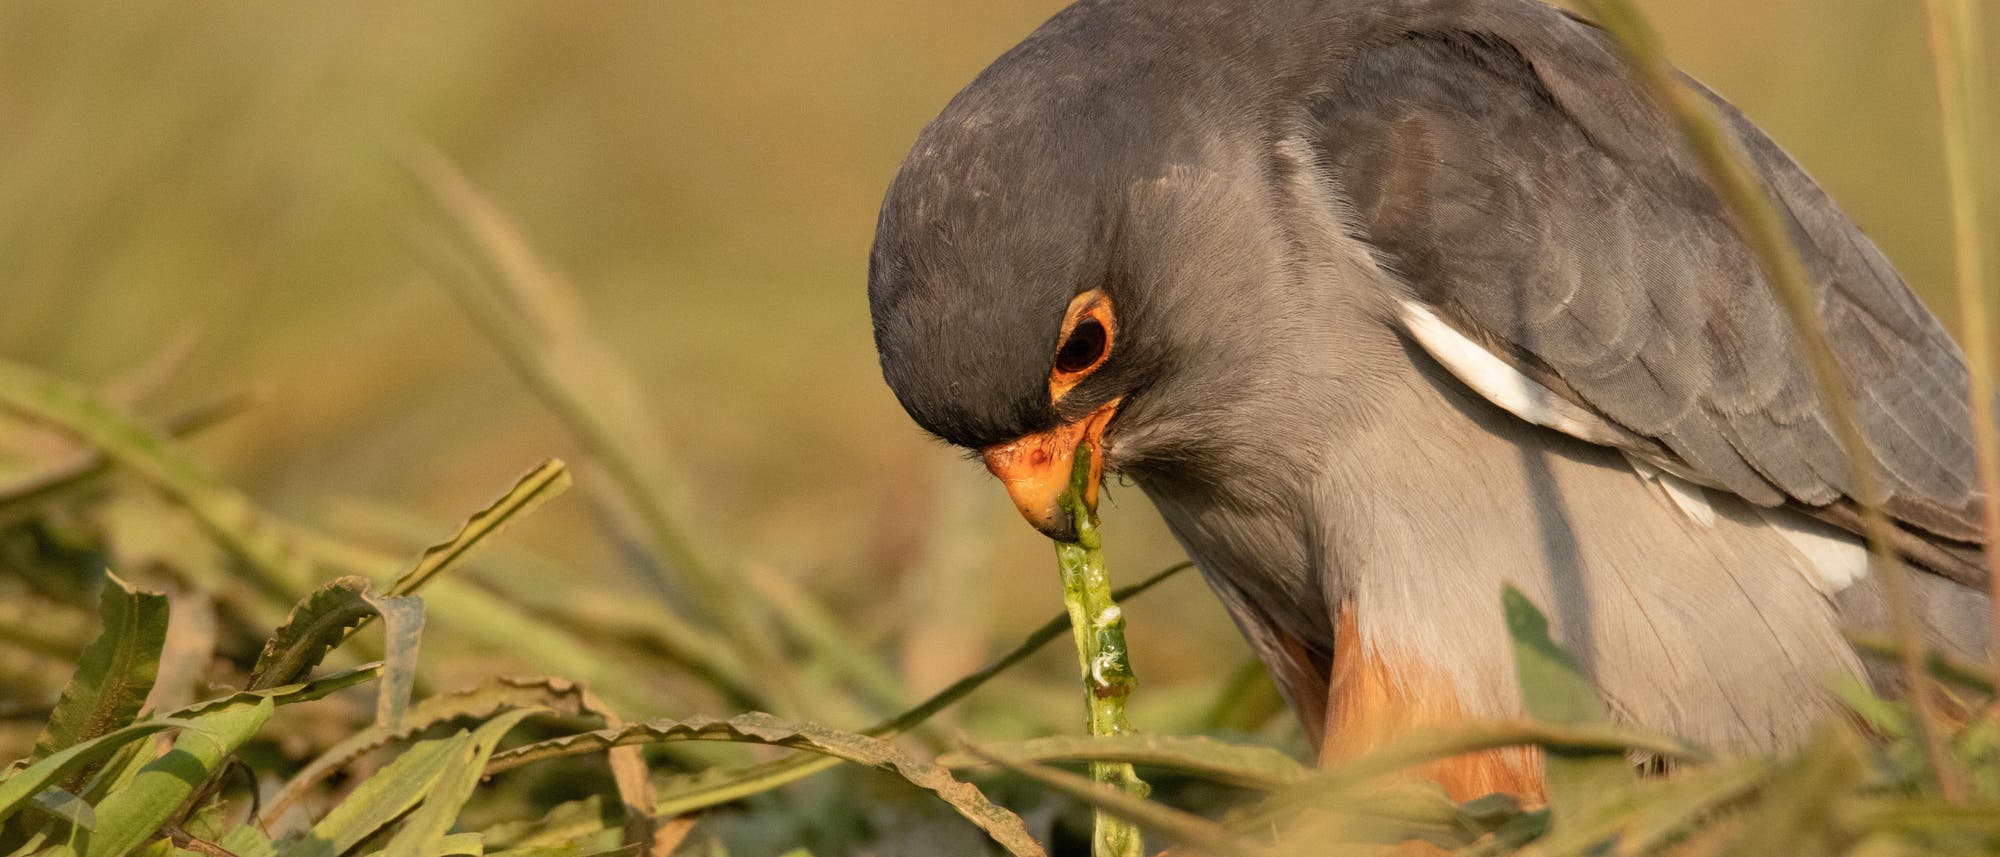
x=1520, y=183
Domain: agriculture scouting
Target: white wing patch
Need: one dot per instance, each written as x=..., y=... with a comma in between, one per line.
x=1499, y=382
x=1524, y=397
x=1686, y=496
x=1838, y=558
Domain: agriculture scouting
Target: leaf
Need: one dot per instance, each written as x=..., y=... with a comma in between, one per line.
x=114, y=674
x=1646, y=816
x=304, y=691
x=536, y=487
x=33, y=845
x=1442, y=743
x=1554, y=688
x=691, y=792
x=270, y=559
x=423, y=834
x=563, y=823
x=1395, y=812
x=454, y=845
x=403, y=627
x=1206, y=836
x=462, y=845
x=1003, y=826
x=1684, y=801
x=23, y=785
x=315, y=626
x=600, y=844
x=1243, y=765
x=1797, y=810
x=319, y=623
x=486, y=700
x=381, y=799
x=131, y=815
x=245, y=840
x=66, y=806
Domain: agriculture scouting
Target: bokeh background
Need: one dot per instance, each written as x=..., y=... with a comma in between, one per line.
x=228, y=176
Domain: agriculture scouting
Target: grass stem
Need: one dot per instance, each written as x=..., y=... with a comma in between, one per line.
x=1745, y=197
x=1099, y=628
x=1961, y=75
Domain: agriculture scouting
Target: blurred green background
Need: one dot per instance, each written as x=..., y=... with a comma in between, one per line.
x=708, y=175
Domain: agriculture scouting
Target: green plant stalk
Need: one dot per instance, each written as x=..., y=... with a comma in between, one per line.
x=1099, y=628
x=1744, y=196
x=1961, y=77
x=507, y=257
x=693, y=793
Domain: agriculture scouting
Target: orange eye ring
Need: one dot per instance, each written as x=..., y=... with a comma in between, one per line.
x=1089, y=331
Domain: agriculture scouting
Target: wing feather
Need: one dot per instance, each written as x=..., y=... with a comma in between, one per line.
x=1524, y=189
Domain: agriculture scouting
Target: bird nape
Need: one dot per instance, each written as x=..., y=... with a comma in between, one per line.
x=1386, y=304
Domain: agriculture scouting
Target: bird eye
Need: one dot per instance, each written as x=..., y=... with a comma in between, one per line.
x=1083, y=349
x=1089, y=333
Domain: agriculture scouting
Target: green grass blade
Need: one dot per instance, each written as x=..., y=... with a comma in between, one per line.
x=1685, y=801
x=697, y=791
x=381, y=799
x=462, y=845
x=532, y=316
x=22, y=786
x=423, y=834
x=283, y=695
x=1243, y=765
x=335, y=611
x=1203, y=835
x=113, y=676
x=484, y=701
x=563, y=823
x=478, y=614
x=1001, y=825
x=246, y=840
x=273, y=563
x=66, y=806
x=1958, y=59
x=539, y=485
x=1796, y=812
x=133, y=814
x=1432, y=745
x=23, y=498
x=1400, y=812
x=1554, y=689
x=521, y=581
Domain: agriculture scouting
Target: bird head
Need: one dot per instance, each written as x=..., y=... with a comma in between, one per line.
x=1071, y=258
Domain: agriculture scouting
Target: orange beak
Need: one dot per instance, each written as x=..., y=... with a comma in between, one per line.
x=1036, y=470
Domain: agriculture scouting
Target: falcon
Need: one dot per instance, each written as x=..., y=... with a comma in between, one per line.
x=1386, y=304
